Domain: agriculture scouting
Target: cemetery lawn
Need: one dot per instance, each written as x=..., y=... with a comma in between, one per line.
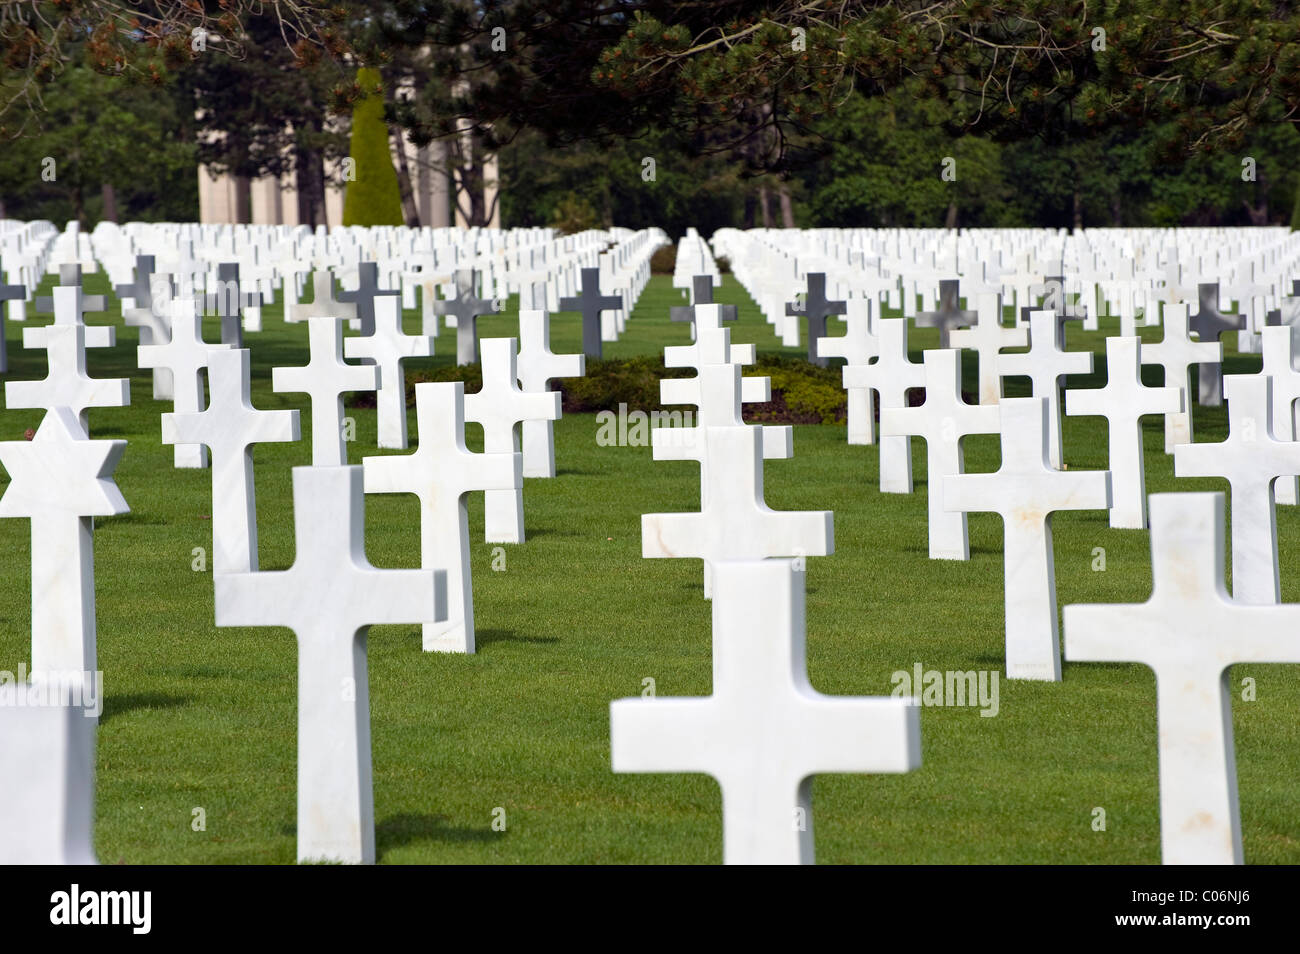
x=197, y=717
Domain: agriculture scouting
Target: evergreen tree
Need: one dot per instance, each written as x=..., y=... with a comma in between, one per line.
x=372, y=197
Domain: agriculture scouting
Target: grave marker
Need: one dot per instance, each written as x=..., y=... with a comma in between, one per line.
x=764, y=732
x=498, y=406
x=1250, y=459
x=229, y=427
x=1026, y=491
x=816, y=308
x=330, y=598
x=325, y=379
x=1123, y=401
x=60, y=480
x=387, y=346
x=591, y=303
x=466, y=308
x=537, y=365
x=442, y=473
x=1045, y=363
x=942, y=421
x=1189, y=633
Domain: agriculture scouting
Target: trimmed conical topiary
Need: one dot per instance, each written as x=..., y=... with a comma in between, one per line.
x=372, y=198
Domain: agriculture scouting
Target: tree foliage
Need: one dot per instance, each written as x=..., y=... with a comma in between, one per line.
x=372, y=198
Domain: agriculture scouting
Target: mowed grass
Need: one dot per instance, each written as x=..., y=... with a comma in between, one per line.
x=201, y=717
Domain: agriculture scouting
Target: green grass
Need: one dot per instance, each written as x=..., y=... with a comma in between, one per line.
x=203, y=717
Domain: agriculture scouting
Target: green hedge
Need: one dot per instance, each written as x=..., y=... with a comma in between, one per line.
x=801, y=392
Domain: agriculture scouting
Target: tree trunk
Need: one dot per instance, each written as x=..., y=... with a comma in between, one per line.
x=787, y=208
x=410, y=211
x=1258, y=213
x=110, y=202
x=751, y=202
x=1078, y=206
x=243, y=200
x=764, y=215
x=1116, y=213
x=309, y=176
x=950, y=220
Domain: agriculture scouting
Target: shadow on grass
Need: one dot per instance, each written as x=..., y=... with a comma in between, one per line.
x=115, y=706
x=535, y=532
x=486, y=637
x=401, y=830
x=924, y=547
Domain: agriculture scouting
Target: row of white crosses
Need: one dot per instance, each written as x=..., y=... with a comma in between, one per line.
x=1182, y=631
x=331, y=594
x=764, y=732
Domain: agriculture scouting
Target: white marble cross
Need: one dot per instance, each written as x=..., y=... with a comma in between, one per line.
x=230, y=426
x=388, y=346
x=717, y=391
x=1250, y=460
x=69, y=306
x=764, y=732
x=1278, y=348
x=442, y=473
x=712, y=345
x=537, y=365
x=712, y=394
x=734, y=523
x=326, y=378
x=323, y=305
x=857, y=346
x=60, y=480
x=150, y=293
x=987, y=338
x=1045, y=363
x=1123, y=402
x=942, y=421
x=1208, y=324
x=949, y=316
x=498, y=406
x=186, y=355
x=47, y=782
x=330, y=597
x=1189, y=632
x=1176, y=352
x=891, y=375
x=1026, y=490
x=18, y=295
x=66, y=383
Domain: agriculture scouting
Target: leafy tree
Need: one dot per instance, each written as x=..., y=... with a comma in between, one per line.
x=101, y=141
